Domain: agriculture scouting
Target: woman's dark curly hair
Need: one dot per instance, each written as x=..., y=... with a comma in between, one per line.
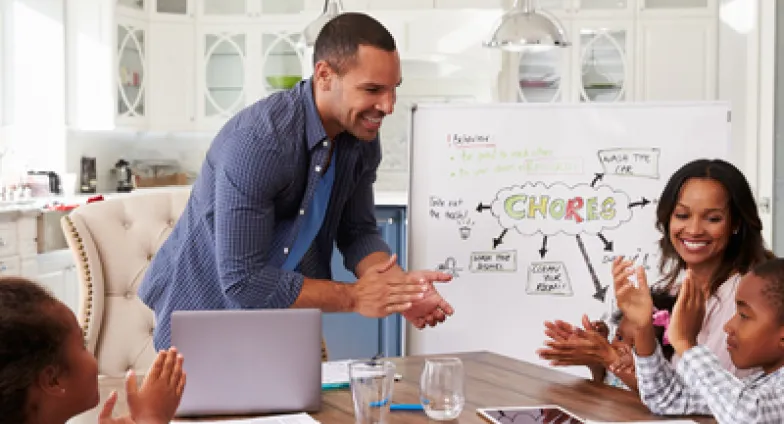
x=31, y=339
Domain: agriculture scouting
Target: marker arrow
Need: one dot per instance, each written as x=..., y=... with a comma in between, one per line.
x=500, y=239
x=608, y=245
x=598, y=176
x=543, y=250
x=641, y=203
x=481, y=207
x=601, y=292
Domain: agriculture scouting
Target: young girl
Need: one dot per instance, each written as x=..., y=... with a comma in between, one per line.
x=710, y=226
x=47, y=376
x=701, y=384
x=620, y=372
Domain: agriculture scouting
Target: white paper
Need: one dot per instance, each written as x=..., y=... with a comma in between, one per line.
x=334, y=372
x=301, y=418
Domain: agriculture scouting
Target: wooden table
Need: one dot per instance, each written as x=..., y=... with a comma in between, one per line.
x=495, y=380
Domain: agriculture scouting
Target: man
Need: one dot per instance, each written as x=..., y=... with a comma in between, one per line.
x=282, y=181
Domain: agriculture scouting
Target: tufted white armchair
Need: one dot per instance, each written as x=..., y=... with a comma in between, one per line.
x=113, y=242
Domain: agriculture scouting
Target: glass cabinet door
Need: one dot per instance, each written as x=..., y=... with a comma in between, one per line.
x=225, y=79
x=603, y=4
x=271, y=7
x=552, y=5
x=173, y=7
x=131, y=75
x=225, y=7
x=132, y=4
x=604, y=64
x=539, y=75
x=675, y=4
x=282, y=61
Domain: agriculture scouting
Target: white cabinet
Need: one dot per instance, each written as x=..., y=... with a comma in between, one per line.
x=603, y=55
x=238, y=65
x=18, y=248
x=622, y=50
x=676, y=8
x=91, y=68
x=468, y=4
x=131, y=71
x=250, y=8
x=57, y=272
x=174, y=8
x=4, y=46
x=678, y=59
x=172, y=83
x=223, y=70
x=399, y=4
x=597, y=67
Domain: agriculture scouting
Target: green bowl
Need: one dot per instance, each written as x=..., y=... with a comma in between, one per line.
x=283, y=82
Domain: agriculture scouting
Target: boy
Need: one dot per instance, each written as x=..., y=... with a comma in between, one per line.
x=699, y=384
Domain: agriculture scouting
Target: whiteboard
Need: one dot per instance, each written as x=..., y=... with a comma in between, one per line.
x=527, y=205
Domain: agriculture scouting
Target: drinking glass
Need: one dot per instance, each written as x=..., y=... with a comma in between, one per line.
x=442, y=388
x=372, y=384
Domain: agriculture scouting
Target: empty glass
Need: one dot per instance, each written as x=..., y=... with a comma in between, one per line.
x=372, y=383
x=441, y=388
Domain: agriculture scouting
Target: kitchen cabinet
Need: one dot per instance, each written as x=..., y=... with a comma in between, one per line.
x=350, y=335
x=469, y=4
x=4, y=47
x=172, y=93
x=399, y=4
x=131, y=71
x=230, y=60
x=678, y=60
x=622, y=50
x=249, y=8
x=174, y=8
x=57, y=272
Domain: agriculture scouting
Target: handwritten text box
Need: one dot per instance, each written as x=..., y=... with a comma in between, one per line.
x=630, y=162
x=548, y=278
x=494, y=261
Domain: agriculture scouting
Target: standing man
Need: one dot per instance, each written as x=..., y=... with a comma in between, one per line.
x=282, y=181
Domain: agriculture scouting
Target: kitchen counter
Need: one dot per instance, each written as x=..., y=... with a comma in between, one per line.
x=38, y=204
x=391, y=198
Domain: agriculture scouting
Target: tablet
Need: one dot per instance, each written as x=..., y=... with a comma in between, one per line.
x=543, y=414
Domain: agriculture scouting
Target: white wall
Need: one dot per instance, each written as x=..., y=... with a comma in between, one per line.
x=35, y=95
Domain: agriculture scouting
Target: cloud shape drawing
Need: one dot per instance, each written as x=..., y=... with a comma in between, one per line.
x=536, y=208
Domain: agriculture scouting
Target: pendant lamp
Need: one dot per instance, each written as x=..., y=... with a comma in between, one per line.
x=332, y=8
x=523, y=27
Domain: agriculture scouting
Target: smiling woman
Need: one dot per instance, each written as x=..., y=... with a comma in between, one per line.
x=711, y=229
x=710, y=223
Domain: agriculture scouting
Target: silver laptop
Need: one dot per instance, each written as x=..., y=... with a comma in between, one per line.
x=249, y=361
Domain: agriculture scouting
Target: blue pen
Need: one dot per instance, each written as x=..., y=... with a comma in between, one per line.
x=406, y=407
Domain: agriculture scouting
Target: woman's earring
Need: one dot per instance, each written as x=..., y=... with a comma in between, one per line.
x=735, y=231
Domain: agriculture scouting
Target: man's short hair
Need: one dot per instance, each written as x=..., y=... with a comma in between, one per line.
x=339, y=40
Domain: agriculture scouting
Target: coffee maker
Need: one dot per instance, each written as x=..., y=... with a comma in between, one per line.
x=88, y=182
x=124, y=176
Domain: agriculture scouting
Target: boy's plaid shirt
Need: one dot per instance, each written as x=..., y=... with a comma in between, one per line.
x=700, y=386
